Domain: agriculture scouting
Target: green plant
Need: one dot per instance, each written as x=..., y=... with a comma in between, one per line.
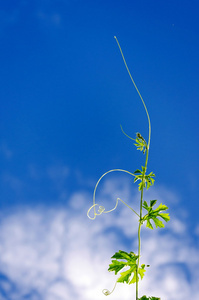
x=129, y=263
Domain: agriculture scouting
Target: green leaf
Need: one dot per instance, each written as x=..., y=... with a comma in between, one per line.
x=137, y=172
x=161, y=207
x=124, y=255
x=146, y=180
x=145, y=205
x=144, y=298
x=141, y=271
x=133, y=280
x=125, y=276
x=155, y=214
x=128, y=260
x=149, y=179
x=164, y=216
x=140, y=143
x=149, y=225
x=152, y=203
x=116, y=266
x=158, y=223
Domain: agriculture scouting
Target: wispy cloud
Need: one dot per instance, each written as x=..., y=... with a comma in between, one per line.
x=49, y=253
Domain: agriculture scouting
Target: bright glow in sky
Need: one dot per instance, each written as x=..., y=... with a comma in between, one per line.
x=64, y=93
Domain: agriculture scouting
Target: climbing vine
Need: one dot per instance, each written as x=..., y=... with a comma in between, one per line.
x=127, y=265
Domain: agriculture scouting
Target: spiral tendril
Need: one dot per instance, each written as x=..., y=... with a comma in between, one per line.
x=107, y=292
x=101, y=209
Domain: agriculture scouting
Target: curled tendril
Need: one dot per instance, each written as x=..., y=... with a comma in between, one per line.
x=107, y=292
x=101, y=209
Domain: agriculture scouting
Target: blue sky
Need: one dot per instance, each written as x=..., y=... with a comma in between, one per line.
x=64, y=93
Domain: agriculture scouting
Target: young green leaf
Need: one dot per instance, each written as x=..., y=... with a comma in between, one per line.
x=149, y=179
x=140, y=143
x=153, y=214
x=141, y=271
x=146, y=180
x=129, y=260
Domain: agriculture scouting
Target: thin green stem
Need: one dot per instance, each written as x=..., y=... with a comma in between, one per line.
x=138, y=261
x=140, y=223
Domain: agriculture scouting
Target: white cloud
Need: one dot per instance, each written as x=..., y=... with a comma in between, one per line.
x=60, y=254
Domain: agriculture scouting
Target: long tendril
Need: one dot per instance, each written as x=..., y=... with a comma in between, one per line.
x=149, y=138
x=101, y=208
